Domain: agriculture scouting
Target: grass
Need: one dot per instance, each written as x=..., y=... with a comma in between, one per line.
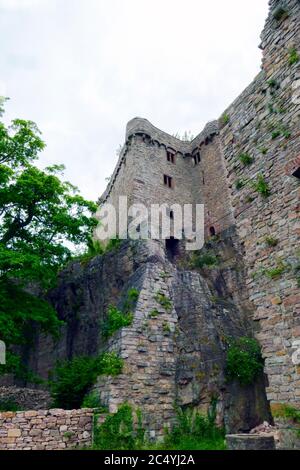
x=123, y=430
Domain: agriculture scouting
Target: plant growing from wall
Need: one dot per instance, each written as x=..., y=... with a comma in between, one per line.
x=225, y=119
x=116, y=319
x=261, y=186
x=246, y=159
x=244, y=361
x=276, y=272
x=72, y=379
x=164, y=301
x=200, y=260
x=118, y=431
x=240, y=183
x=293, y=56
x=280, y=13
x=271, y=241
x=7, y=404
x=92, y=400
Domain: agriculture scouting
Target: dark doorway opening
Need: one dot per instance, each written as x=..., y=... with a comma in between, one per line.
x=172, y=248
x=297, y=173
x=212, y=231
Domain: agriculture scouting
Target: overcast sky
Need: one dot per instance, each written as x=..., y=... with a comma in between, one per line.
x=81, y=69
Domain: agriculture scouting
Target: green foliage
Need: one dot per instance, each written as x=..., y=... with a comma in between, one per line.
x=41, y=217
x=244, y=361
x=246, y=159
x=225, y=119
x=92, y=400
x=166, y=327
x=271, y=241
x=192, y=431
x=282, y=410
x=273, y=83
x=164, y=301
x=280, y=13
x=73, y=378
x=195, y=431
x=293, y=56
x=264, y=150
x=154, y=313
x=239, y=184
x=8, y=405
x=274, y=273
x=261, y=186
x=113, y=245
x=117, y=432
x=115, y=320
x=208, y=259
x=276, y=134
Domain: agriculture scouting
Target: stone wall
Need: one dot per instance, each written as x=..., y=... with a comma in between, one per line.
x=265, y=123
x=26, y=398
x=46, y=429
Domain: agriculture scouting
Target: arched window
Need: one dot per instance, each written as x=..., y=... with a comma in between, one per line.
x=212, y=231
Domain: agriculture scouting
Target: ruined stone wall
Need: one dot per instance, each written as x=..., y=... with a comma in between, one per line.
x=26, y=398
x=264, y=123
x=46, y=429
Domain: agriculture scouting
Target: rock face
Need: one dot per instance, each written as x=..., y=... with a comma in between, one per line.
x=175, y=349
x=250, y=442
x=26, y=398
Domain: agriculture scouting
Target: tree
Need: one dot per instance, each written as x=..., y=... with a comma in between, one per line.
x=41, y=219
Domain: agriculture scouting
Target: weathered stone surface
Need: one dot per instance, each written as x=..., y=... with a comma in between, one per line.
x=249, y=442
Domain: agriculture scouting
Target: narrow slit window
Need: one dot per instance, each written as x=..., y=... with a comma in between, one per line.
x=171, y=215
x=296, y=173
x=197, y=158
x=170, y=157
x=168, y=181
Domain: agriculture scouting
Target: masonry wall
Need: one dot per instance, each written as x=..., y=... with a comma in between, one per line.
x=46, y=429
x=264, y=122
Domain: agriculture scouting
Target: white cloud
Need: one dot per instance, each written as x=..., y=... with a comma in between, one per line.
x=82, y=68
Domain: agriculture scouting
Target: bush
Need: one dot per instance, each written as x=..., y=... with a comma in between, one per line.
x=117, y=431
x=261, y=186
x=244, y=361
x=293, y=56
x=281, y=13
x=92, y=400
x=73, y=378
x=116, y=320
x=8, y=405
x=204, y=260
x=163, y=300
x=195, y=431
x=246, y=159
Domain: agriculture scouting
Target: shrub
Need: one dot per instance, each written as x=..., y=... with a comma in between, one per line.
x=225, y=119
x=8, y=405
x=113, y=245
x=115, y=320
x=73, y=378
x=117, y=431
x=246, y=159
x=244, y=361
x=92, y=400
x=280, y=13
x=195, y=431
x=163, y=301
x=264, y=150
x=239, y=184
x=293, y=56
x=276, y=272
x=261, y=186
x=270, y=241
x=204, y=260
